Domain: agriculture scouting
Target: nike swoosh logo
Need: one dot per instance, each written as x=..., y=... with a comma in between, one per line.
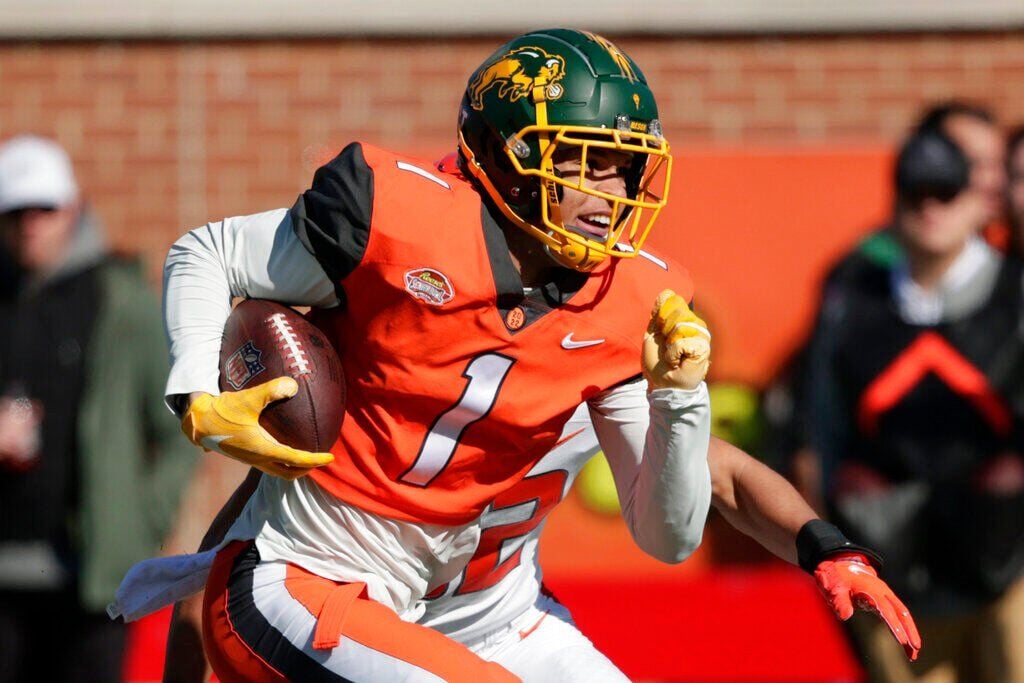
x=569, y=343
x=212, y=442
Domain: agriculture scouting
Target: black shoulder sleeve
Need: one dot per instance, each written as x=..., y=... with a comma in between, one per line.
x=332, y=217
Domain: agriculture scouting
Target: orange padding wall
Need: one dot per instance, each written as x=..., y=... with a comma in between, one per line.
x=757, y=227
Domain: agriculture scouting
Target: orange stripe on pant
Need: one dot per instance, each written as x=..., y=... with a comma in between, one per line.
x=345, y=618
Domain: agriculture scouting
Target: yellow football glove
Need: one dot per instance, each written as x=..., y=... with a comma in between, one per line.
x=677, y=345
x=229, y=424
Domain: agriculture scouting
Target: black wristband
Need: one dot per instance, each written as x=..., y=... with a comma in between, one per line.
x=818, y=540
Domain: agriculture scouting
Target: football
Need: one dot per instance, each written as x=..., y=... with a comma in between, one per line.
x=264, y=340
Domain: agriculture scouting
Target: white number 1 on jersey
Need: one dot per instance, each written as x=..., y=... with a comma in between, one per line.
x=486, y=373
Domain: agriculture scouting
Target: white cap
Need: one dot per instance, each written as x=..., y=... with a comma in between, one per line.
x=35, y=171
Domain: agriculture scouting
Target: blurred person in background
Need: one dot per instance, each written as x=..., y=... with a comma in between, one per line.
x=977, y=134
x=91, y=463
x=913, y=400
x=1015, y=188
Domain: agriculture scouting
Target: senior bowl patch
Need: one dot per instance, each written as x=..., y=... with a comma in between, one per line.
x=243, y=365
x=429, y=285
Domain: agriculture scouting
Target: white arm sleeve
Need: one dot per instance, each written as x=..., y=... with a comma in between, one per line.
x=657, y=447
x=256, y=256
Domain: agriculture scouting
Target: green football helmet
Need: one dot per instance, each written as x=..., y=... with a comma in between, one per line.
x=549, y=91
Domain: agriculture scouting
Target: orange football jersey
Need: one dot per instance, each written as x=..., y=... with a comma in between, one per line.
x=458, y=383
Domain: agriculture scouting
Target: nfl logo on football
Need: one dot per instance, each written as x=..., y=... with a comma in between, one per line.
x=243, y=365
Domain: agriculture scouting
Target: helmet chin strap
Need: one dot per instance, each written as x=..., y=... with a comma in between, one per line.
x=573, y=255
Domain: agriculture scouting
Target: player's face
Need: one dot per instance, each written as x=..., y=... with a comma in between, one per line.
x=982, y=143
x=605, y=171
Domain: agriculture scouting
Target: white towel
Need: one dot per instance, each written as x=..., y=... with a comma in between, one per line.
x=160, y=581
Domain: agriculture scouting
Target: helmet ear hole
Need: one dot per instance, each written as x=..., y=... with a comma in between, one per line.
x=523, y=193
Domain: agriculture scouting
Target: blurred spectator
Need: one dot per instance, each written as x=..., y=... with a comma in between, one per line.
x=1015, y=188
x=976, y=133
x=91, y=462
x=913, y=396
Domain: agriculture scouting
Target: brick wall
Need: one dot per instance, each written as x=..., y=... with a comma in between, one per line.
x=167, y=135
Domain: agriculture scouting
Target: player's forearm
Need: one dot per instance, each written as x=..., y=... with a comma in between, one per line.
x=756, y=500
x=657, y=450
x=255, y=256
x=674, y=483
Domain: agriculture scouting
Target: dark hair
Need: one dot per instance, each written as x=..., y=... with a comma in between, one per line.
x=936, y=116
x=930, y=165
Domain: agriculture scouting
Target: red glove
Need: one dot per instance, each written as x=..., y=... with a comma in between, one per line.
x=848, y=580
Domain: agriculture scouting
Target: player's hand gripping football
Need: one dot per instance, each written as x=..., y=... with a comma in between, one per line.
x=229, y=424
x=677, y=345
x=849, y=581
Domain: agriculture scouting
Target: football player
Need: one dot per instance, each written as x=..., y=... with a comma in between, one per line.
x=472, y=317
